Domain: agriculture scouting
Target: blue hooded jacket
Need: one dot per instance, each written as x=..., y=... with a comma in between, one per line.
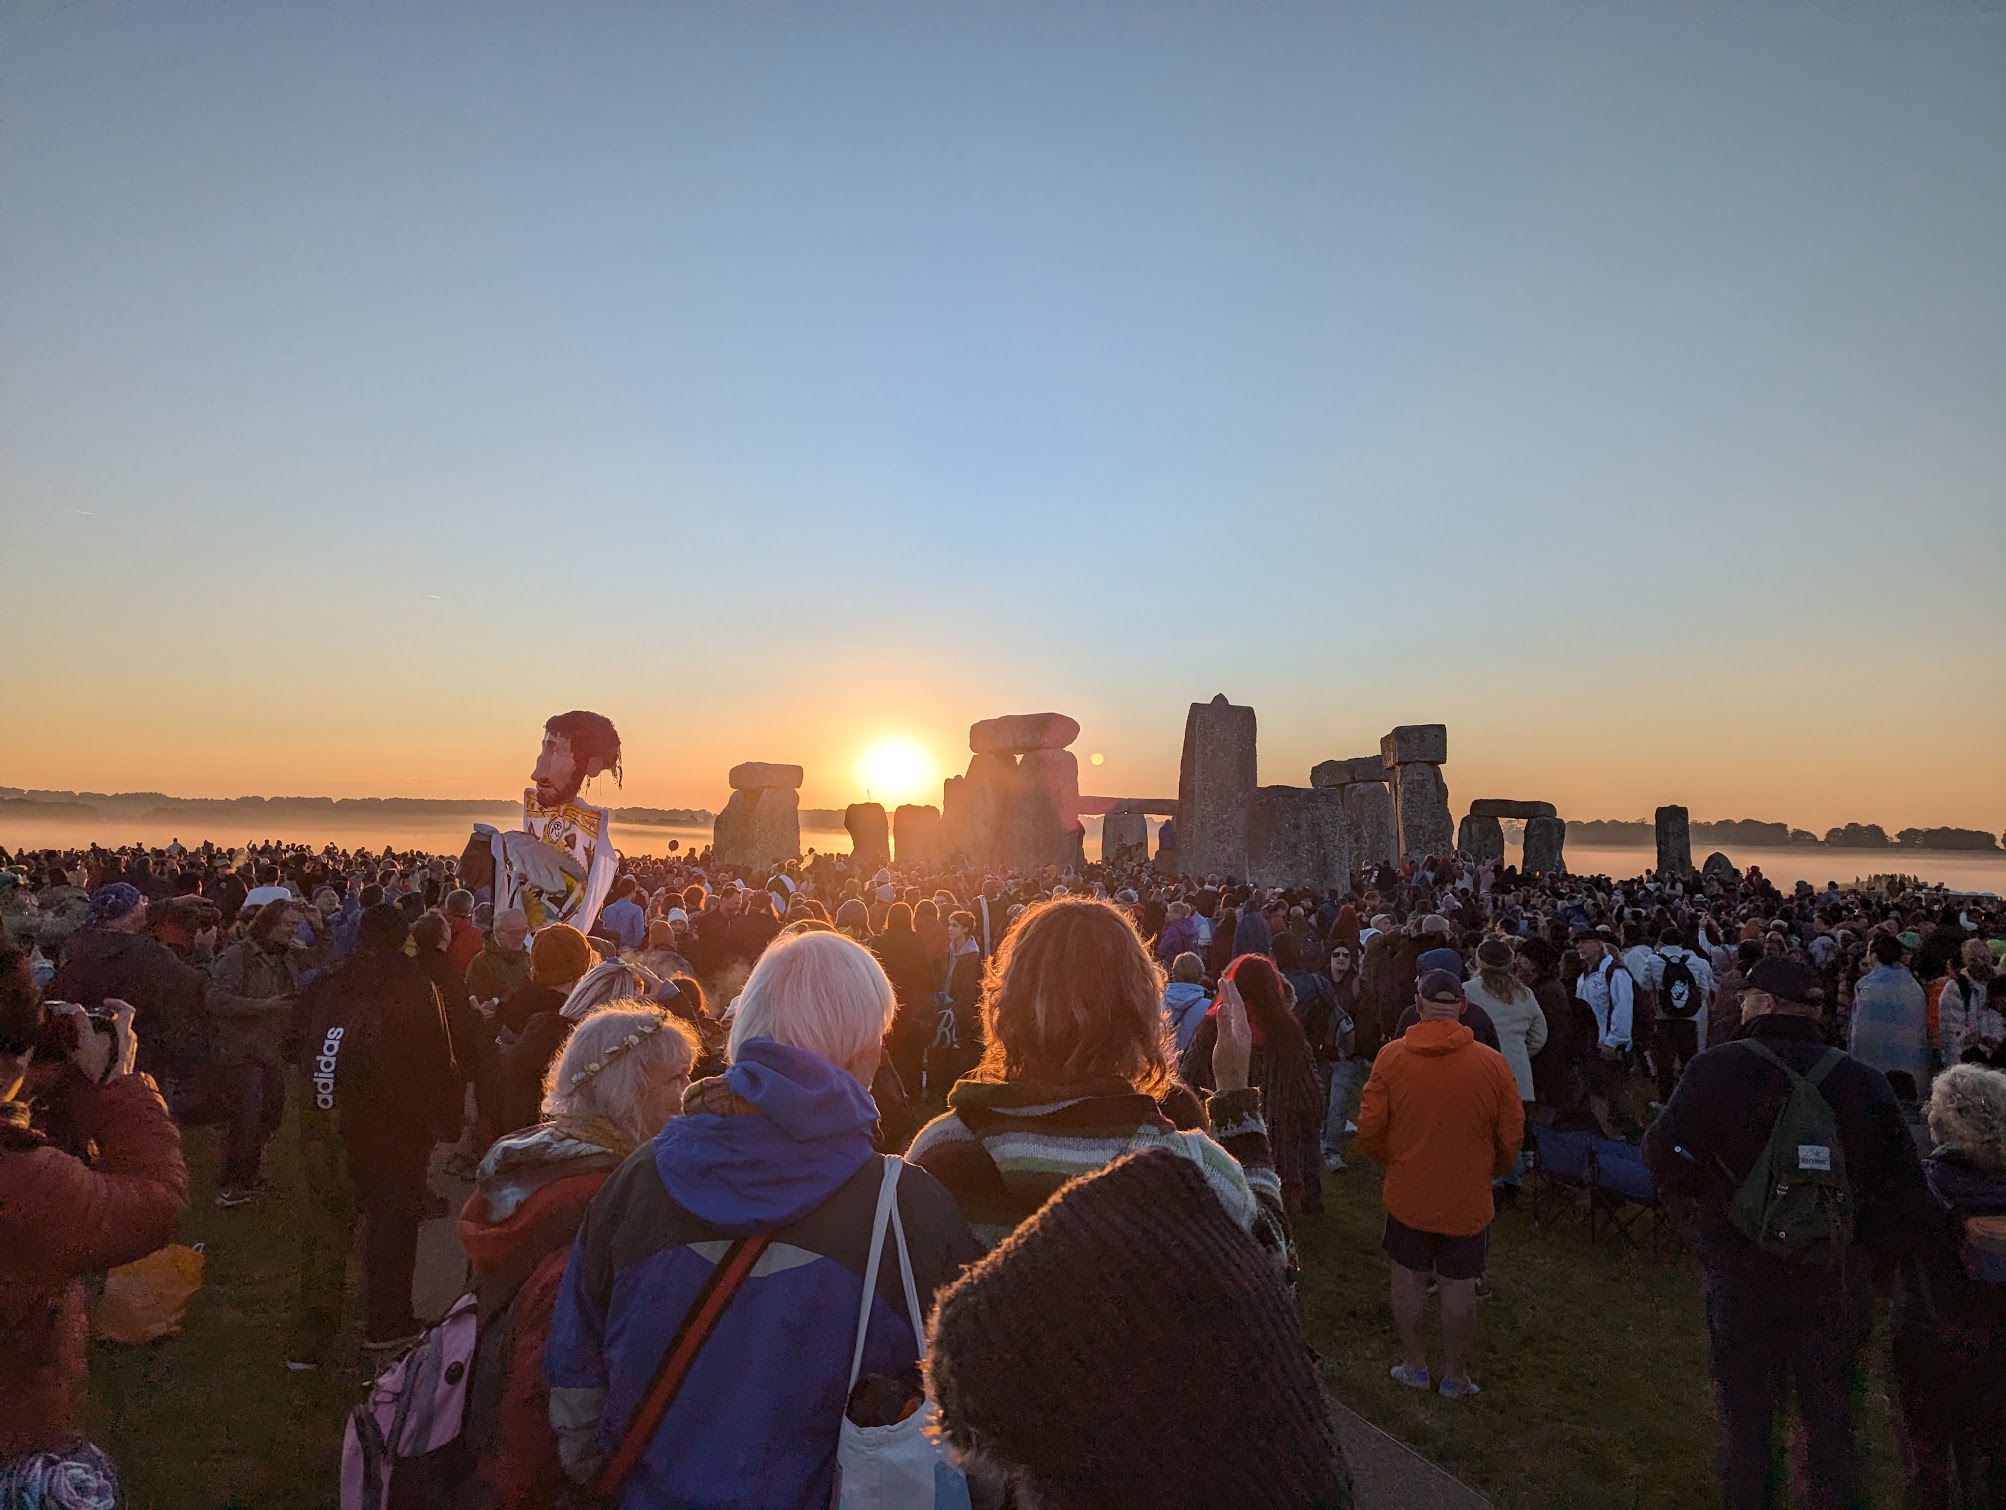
x=757, y=1420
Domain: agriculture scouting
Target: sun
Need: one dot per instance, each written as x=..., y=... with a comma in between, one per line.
x=895, y=769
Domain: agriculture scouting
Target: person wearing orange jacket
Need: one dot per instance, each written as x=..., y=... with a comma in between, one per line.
x=1441, y=1112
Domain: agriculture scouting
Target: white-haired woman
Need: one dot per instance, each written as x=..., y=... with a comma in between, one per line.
x=621, y=1076
x=780, y=1147
x=1950, y=1317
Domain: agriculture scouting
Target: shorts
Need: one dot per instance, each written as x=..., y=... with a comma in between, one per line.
x=1431, y=1252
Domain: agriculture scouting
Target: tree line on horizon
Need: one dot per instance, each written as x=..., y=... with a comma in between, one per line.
x=31, y=803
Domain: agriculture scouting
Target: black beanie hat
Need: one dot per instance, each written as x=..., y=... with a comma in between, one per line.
x=1056, y=1354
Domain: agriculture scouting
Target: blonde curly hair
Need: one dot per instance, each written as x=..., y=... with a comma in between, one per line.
x=1967, y=1111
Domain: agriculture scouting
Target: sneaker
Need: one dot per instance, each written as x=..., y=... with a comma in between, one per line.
x=1400, y=1373
x=1334, y=1162
x=241, y=1195
x=302, y=1365
x=1459, y=1389
x=435, y=1206
x=1483, y=1287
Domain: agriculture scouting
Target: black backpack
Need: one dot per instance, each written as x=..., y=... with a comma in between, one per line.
x=1678, y=990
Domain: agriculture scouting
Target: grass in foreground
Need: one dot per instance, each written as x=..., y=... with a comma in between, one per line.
x=1592, y=1360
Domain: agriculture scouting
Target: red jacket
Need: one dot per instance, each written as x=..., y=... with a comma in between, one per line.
x=466, y=941
x=522, y=1472
x=61, y=1219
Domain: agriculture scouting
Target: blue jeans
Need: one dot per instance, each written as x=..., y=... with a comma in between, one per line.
x=1342, y=1078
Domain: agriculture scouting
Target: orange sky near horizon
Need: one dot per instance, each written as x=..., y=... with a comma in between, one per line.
x=1751, y=757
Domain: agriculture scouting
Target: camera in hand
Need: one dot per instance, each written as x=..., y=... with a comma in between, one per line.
x=58, y=1038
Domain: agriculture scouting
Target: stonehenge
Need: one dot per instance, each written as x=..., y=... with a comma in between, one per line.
x=1124, y=838
x=1675, y=841
x=916, y=835
x=1298, y=836
x=1544, y=840
x=1021, y=733
x=1481, y=837
x=761, y=824
x=1019, y=803
x=1413, y=755
x=1215, y=781
x=870, y=833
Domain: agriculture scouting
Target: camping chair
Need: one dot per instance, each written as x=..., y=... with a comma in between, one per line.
x=1560, y=1171
x=1622, y=1196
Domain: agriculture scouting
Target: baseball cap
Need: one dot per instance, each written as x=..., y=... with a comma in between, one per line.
x=1441, y=985
x=1448, y=961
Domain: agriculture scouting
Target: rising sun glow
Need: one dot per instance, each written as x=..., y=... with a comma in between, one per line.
x=895, y=769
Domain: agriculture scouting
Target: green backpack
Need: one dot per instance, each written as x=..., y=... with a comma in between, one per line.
x=1796, y=1203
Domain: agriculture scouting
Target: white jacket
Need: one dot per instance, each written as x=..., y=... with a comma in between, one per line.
x=1607, y=990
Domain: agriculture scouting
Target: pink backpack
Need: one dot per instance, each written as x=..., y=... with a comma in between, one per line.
x=403, y=1443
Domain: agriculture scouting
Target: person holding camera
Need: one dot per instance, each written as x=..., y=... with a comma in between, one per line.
x=62, y=1218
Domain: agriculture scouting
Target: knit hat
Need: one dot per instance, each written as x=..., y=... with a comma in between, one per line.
x=110, y=903
x=558, y=955
x=1052, y=1357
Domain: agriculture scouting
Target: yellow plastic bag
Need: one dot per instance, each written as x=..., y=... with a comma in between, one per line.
x=146, y=1299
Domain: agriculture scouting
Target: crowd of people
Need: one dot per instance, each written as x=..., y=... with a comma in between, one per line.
x=1068, y=1098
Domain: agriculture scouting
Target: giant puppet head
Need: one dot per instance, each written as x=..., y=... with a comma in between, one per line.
x=575, y=746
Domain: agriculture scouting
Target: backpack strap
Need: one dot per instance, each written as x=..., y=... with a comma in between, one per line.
x=1825, y=1065
x=698, y=1324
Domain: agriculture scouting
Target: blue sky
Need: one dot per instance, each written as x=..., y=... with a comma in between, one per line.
x=772, y=377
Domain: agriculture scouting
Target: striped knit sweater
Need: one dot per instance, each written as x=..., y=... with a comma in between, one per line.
x=1003, y=1150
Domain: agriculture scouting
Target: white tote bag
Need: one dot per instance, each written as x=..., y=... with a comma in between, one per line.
x=894, y=1467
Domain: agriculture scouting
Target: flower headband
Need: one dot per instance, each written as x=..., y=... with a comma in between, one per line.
x=579, y=1077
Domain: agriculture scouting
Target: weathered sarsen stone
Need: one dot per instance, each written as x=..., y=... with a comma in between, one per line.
x=1718, y=867
x=1368, y=813
x=1214, y=781
x=1481, y=837
x=870, y=833
x=1415, y=744
x=760, y=775
x=758, y=827
x=1421, y=810
x=1124, y=838
x=1545, y=841
x=1675, y=841
x=1041, y=824
x=1020, y=733
x=1505, y=807
x=1298, y=836
x=916, y=834
x=1345, y=772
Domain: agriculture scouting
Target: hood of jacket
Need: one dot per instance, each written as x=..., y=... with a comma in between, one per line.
x=1180, y=994
x=804, y=1128
x=532, y=1189
x=1966, y=1187
x=1435, y=1039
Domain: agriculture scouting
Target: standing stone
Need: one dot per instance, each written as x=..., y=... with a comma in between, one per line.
x=1481, y=838
x=1124, y=838
x=1545, y=839
x=1719, y=868
x=1421, y=810
x=1041, y=823
x=1675, y=841
x=1214, y=781
x=1021, y=733
x=1368, y=813
x=759, y=827
x=1298, y=836
x=991, y=787
x=916, y=834
x=1415, y=744
x=870, y=834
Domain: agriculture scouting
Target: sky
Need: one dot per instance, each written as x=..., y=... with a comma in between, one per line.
x=1622, y=386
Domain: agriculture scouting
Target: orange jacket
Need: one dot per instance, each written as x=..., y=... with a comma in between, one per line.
x=1441, y=1112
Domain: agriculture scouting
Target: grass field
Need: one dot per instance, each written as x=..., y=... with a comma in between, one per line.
x=1592, y=1360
